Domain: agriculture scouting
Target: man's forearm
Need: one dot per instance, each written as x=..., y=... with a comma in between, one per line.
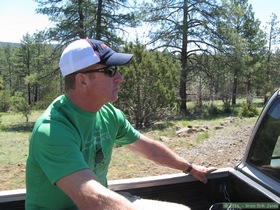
x=161, y=154
x=158, y=153
x=87, y=193
x=106, y=200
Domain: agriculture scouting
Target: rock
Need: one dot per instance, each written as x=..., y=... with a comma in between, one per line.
x=164, y=139
x=219, y=127
x=203, y=130
x=185, y=130
x=177, y=128
x=230, y=119
x=183, y=134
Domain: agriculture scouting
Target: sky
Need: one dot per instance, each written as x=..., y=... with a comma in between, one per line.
x=18, y=17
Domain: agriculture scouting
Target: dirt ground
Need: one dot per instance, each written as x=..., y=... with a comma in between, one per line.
x=225, y=147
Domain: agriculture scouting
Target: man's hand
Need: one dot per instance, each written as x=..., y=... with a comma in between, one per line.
x=199, y=172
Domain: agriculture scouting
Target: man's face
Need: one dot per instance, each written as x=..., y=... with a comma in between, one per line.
x=103, y=87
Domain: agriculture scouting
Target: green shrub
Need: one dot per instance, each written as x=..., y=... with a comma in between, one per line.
x=248, y=110
x=2, y=127
x=4, y=101
x=213, y=110
x=19, y=104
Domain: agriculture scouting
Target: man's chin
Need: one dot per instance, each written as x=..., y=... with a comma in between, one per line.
x=114, y=99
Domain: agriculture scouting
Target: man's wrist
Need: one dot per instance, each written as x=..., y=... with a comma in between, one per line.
x=189, y=169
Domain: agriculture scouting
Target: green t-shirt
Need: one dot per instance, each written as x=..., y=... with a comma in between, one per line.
x=66, y=139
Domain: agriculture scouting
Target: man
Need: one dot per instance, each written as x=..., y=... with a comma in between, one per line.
x=72, y=142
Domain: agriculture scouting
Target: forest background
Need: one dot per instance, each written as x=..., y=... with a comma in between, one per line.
x=195, y=50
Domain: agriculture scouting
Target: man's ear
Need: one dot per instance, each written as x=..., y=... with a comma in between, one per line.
x=81, y=79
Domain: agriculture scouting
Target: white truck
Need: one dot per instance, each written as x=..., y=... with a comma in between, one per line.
x=252, y=184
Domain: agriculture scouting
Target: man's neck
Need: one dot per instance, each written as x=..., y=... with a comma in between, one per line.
x=84, y=103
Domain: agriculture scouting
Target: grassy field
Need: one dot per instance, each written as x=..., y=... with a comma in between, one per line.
x=14, y=140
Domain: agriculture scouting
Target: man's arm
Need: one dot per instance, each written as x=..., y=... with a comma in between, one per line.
x=87, y=193
x=161, y=154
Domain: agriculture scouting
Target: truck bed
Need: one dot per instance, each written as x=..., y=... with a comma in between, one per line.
x=224, y=185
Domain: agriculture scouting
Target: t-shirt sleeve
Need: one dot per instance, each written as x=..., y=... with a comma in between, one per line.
x=55, y=150
x=126, y=133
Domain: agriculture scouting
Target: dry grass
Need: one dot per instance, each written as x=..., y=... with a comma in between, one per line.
x=14, y=143
x=14, y=139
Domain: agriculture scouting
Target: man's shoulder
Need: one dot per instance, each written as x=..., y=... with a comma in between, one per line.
x=112, y=112
x=110, y=107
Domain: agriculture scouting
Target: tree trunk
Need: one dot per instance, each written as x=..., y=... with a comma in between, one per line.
x=248, y=90
x=183, y=94
x=183, y=75
x=28, y=66
x=29, y=94
x=35, y=94
x=199, y=99
x=234, y=91
x=99, y=20
x=81, y=22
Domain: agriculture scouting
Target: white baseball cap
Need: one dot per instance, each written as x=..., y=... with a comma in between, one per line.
x=86, y=52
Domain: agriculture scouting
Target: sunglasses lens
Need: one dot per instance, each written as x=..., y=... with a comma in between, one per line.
x=112, y=71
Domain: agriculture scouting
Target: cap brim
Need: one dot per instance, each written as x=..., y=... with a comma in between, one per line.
x=118, y=59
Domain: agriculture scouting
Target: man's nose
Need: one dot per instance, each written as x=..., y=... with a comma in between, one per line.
x=119, y=77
